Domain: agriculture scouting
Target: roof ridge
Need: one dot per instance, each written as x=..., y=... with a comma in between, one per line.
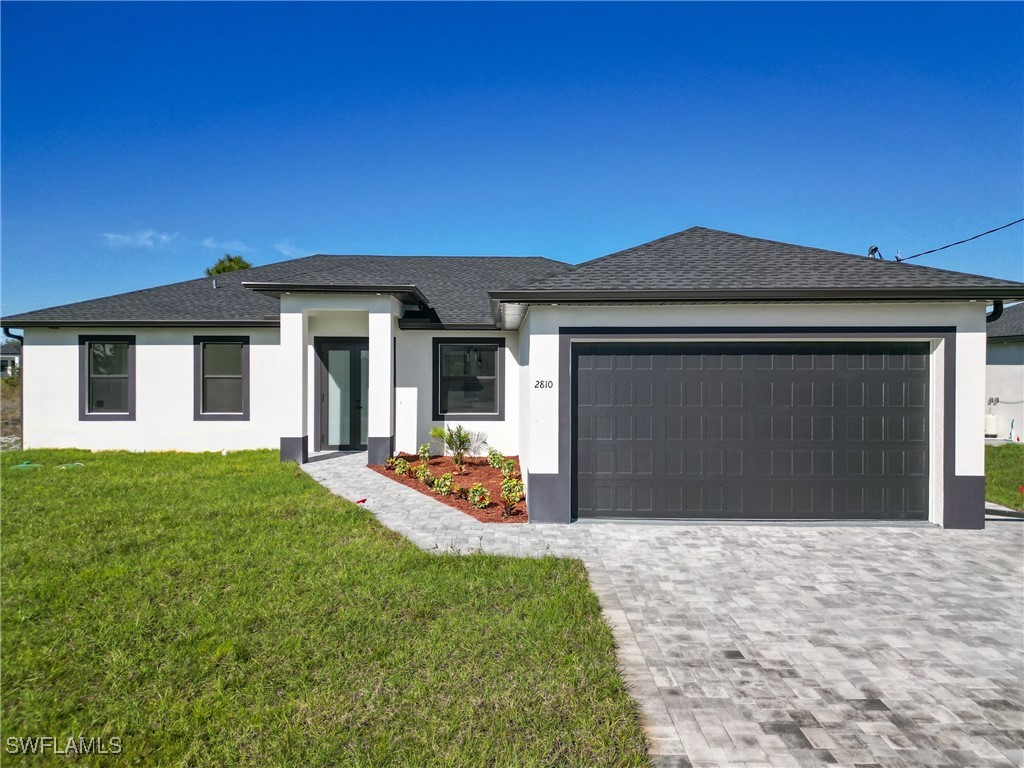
x=428, y=256
x=232, y=274
x=829, y=251
x=641, y=245
x=846, y=254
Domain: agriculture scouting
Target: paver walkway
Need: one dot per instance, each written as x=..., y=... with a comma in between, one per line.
x=783, y=645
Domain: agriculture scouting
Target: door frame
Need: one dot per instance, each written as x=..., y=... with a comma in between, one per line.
x=581, y=346
x=321, y=345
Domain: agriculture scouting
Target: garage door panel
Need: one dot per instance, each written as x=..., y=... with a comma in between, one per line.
x=794, y=430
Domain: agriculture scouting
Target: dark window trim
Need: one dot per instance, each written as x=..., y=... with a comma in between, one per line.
x=499, y=379
x=83, y=377
x=197, y=378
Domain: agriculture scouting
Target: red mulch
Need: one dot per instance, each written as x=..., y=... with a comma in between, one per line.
x=476, y=471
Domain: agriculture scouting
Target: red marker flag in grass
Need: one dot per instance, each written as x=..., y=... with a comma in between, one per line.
x=361, y=501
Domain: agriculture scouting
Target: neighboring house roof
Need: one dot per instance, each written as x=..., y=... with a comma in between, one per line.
x=707, y=263
x=10, y=348
x=1009, y=325
x=466, y=291
x=455, y=288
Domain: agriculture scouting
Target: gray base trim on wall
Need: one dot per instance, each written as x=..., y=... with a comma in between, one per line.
x=295, y=449
x=548, y=499
x=379, y=449
x=963, y=505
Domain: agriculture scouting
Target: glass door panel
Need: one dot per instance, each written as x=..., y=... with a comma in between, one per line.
x=343, y=386
x=339, y=403
x=364, y=391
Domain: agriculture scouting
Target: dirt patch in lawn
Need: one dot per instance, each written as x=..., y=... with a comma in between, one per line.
x=476, y=471
x=10, y=414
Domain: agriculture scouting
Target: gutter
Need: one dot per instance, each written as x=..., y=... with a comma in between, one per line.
x=997, y=311
x=418, y=325
x=401, y=292
x=766, y=294
x=55, y=323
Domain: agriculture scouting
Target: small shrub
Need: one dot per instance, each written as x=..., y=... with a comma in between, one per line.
x=458, y=491
x=401, y=467
x=494, y=458
x=508, y=467
x=423, y=474
x=424, y=453
x=458, y=441
x=511, y=492
x=443, y=484
x=389, y=462
x=478, y=496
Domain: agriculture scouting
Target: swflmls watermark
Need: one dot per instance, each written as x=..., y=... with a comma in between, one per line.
x=54, y=745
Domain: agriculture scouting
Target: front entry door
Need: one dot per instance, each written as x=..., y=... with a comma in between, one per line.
x=343, y=386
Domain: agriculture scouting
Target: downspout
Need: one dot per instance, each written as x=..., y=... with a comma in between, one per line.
x=997, y=311
x=21, y=375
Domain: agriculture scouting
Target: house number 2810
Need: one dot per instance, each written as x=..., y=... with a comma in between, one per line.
x=543, y=384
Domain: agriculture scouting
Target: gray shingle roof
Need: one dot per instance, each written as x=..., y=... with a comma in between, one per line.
x=10, y=348
x=1010, y=324
x=699, y=259
x=455, y=286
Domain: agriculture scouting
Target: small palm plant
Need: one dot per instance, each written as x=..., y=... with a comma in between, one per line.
x=458, y=441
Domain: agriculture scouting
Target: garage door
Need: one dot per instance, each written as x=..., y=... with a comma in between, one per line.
x=751, y=430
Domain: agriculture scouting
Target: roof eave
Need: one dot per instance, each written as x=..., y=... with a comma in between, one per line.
x=419, y=325
x=14, y=322
x=404, y=293
x=987, y=293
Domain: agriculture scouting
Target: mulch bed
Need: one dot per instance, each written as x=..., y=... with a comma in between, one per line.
x=476, y=471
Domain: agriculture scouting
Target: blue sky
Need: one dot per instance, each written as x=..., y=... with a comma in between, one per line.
x=142, y=141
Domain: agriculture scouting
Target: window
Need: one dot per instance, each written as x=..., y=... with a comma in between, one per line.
x=221, y=378
x=106, y=378
x=468, y=379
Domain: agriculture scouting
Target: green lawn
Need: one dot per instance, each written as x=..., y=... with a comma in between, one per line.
x=215, y=610
x=1004, y=474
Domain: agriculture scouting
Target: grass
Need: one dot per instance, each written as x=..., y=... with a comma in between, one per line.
x=218, y=610
x=1004, y=475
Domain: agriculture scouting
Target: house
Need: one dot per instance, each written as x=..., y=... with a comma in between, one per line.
x=10, y=359
x=1004, y=375
x=701, y=375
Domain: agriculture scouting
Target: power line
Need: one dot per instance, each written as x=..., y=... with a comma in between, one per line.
x=959, y=242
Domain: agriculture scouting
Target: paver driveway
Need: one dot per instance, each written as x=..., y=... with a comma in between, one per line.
x=784, y=645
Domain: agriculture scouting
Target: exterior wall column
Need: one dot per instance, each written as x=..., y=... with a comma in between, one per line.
x=381, y=416
x=964, y=493
x=294, y=406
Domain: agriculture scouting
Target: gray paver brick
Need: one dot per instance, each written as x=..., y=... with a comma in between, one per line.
x=782, y=646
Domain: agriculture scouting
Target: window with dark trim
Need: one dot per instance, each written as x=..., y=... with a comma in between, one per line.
x=469, y=379
x=221, y=378
x=106, y=381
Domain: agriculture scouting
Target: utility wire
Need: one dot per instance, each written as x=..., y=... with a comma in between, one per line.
x=959, y=242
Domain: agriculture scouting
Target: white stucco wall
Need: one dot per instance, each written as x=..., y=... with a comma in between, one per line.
x=414, y=383
x=308, y=316
x=164, y=393
x=541, y=405
x=283, y=368
x=405, y=412
x=1004, y=378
